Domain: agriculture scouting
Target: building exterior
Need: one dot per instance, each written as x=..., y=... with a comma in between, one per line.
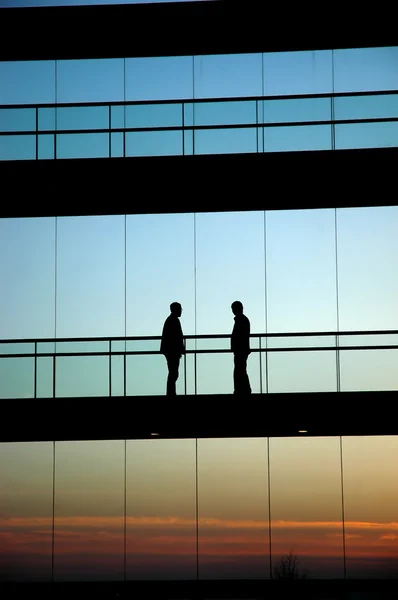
x=192, y=152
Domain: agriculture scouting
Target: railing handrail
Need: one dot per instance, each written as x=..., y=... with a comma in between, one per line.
x=180, y=101
x=200, y=336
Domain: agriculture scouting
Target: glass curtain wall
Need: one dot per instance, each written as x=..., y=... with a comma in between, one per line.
x=223, y=87
x=115, y=276
x=319, y=508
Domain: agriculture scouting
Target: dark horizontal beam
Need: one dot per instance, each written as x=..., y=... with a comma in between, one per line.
x=197, y=589
x=200, y=183
x=186, y=28
x=260, y=415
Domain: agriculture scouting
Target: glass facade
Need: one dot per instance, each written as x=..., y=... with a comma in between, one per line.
x=325, y=271
x=210, y=104
x=198, y=509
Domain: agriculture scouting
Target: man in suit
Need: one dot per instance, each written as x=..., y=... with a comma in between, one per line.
x=172, y=345
x=240, y=346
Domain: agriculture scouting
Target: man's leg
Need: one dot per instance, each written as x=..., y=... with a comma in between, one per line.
x=172, y=364
x=241, y=379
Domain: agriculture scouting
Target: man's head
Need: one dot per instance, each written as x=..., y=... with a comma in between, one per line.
x=176, y=309
x=237, y=307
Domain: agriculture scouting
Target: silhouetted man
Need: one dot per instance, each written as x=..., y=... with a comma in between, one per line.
x=172, y=345
x=240, y=346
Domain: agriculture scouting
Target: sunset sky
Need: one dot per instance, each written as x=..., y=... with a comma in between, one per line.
x=97, y=511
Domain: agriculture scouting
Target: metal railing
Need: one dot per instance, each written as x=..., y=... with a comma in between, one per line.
x=133, y=366
x=205, y=126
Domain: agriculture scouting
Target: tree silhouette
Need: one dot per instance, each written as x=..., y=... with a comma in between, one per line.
x=288, y=567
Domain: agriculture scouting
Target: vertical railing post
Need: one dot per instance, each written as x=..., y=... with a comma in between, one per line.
x=185, y=367
x=110, y=130
x=37, y=132
x=124, y=368
x=54, y=371
x=338, y=364
x=183, y=126
x=261, y=365
x=35, y=374
x=110, y=368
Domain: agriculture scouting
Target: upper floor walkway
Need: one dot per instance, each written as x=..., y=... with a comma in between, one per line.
x=259, y=124
x=323, y=383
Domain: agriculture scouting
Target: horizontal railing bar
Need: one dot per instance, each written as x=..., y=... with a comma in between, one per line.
x=198, y=336
x=206, y=351
x=203, y=100
x=197, y=127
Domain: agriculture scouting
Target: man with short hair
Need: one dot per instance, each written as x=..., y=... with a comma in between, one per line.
x=240, y=346
x=172, y=345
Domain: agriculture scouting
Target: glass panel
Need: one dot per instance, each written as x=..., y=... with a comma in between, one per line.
x=83, y=117
x=297, y=138
x=117, y=376
x=227, y=76
x=90, y=80
x=301, y=270
x=81, y=376
x=44, y=381
x=366, y=107
x=17, y=377
x=370, y=506
x=17, y=348
x=224, y=113
x=308, y=72
x=366, y=135
x=91, y=276
x=159, y=78
x=118, y=346
x=154, y=115
x=89, y=511
x=46, y=119
x=306, y=507
x=369, y=340
x=368, y=370
x=230, y=266
x=213, y=343
x=225, y=141
x=215, y=373
x=46, y=147
x=118, y=114
x=161, y=509
x=91, y=347
x=19, y=82
x=381, y=72
x=367, y=258
x=26, y=519
x=188, y=363
x=116, y=145
x=46, y=348
x=27, y=278
x=17, y=147
x=83, y=145
x=153, y=143
x=302, y=109
x=147, y=374
x=312, y=341
x=160, y=270
x=17, y=119
x=188, y=142
x=143, y=345
x=302, y=371
x=233, y=509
